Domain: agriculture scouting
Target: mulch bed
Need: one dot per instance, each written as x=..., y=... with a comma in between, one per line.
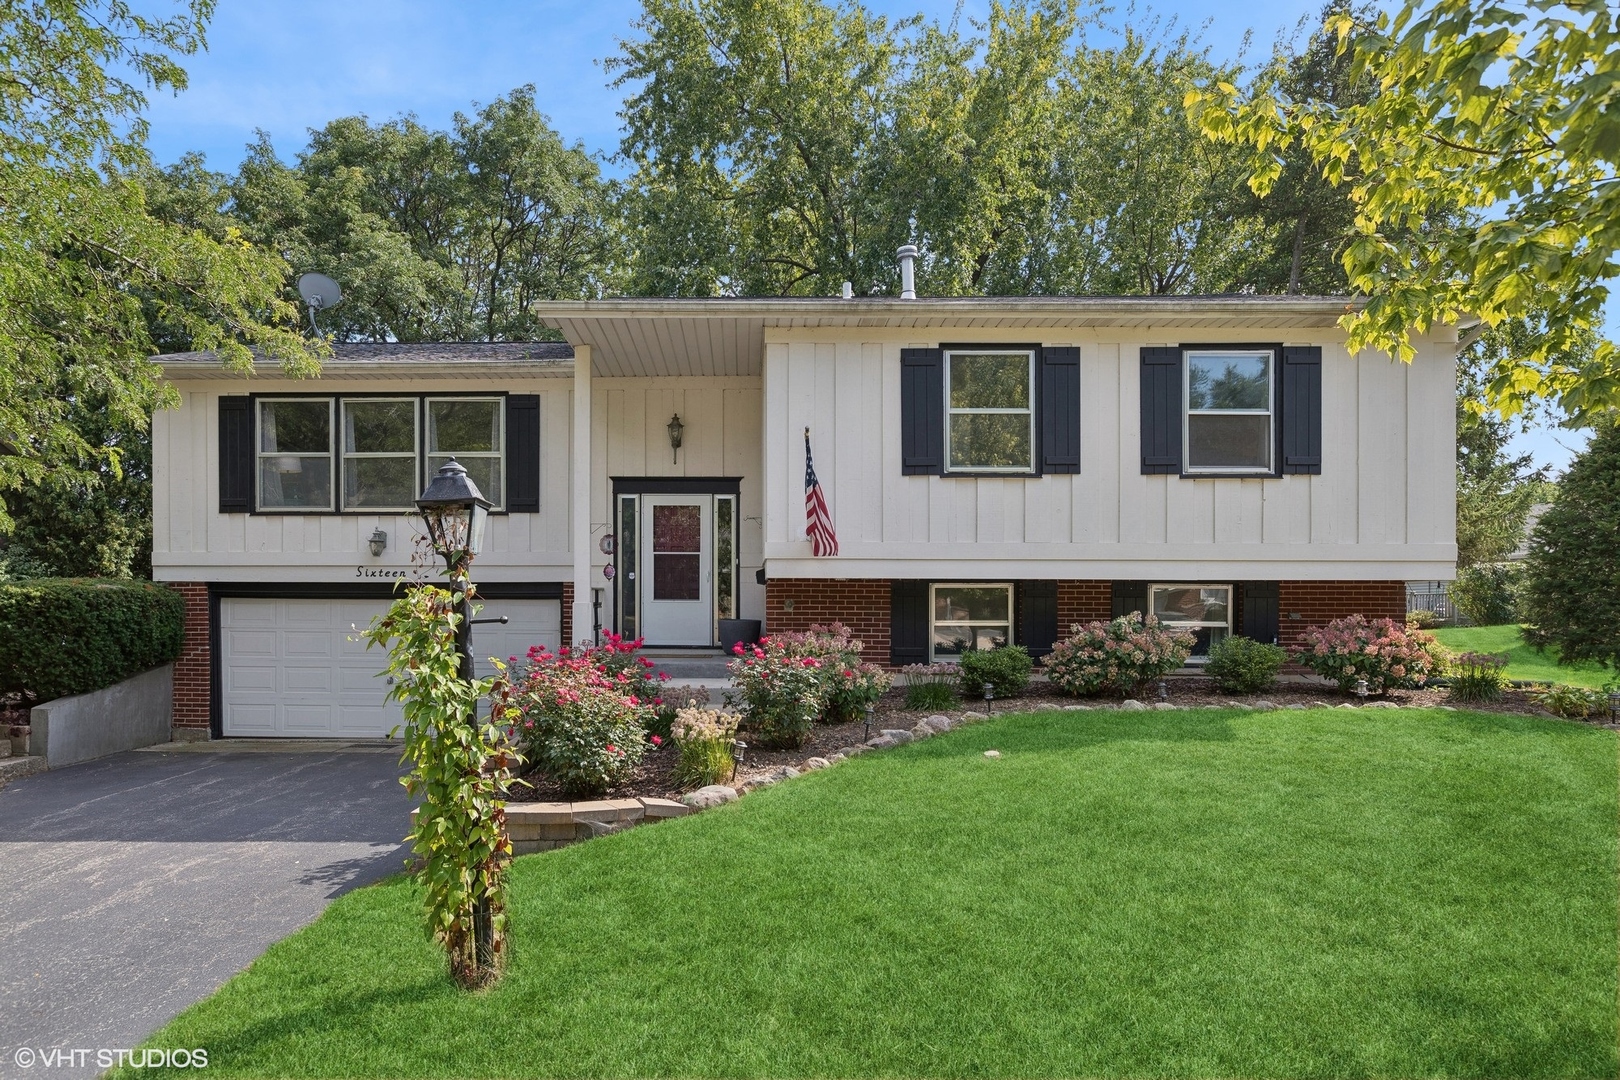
x=653, y=777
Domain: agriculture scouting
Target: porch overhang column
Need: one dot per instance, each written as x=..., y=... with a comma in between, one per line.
x=580, y=490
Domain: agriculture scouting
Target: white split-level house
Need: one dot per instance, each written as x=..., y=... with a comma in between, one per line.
x=997, y=470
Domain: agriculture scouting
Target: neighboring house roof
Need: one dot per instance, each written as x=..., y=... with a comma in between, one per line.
x=1523, y=550
x=386, y=359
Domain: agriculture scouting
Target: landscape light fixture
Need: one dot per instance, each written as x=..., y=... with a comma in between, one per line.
x=455, y=512
x=868, y=710
x=378, y=541
x=1164, y=691
x=1361, y=689
x=989, y=698
x=675, y=430
x=1614, y=706
x=739, y=750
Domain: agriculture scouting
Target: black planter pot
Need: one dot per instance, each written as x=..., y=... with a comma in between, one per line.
x=733, y=631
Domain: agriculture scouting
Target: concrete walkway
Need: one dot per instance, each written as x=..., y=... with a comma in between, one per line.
x=137, y=884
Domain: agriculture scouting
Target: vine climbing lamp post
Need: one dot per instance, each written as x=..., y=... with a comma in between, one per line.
x=456, y=512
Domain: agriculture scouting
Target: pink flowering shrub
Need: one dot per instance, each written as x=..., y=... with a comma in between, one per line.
x=1389, y=655
x=780, y=689
x=582, y=719
x=1116, y=657
x=848, y=685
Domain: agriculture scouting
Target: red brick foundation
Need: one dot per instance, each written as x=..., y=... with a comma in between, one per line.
x=568, y=614
x=795, y=604
x=1303, y=604
x=1080, y=602
x=193, y=672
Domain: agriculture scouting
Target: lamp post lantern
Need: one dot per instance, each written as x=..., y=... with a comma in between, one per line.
x=455, y=512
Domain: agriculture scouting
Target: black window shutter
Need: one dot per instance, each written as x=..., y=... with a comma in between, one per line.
x=908, y=622
x=1161, y=409
x=235, y=454
x=1302, y=409
x=1036, y=603
x=922, y=412
x=1060, y=410
x=1128, y=596
x=1259, y=610
x=523, y=453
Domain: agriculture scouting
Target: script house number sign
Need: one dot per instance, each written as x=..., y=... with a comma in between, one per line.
x=377, y=572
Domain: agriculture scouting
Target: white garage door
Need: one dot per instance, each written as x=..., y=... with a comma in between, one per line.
x=291, y=668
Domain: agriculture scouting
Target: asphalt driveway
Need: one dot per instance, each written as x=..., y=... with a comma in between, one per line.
x=132, y=886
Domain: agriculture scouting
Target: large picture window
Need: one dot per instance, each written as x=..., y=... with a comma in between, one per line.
x=989, y=411
x=1228, y=411
x=469, y=430
x=1204, y=610
x=968, y=618
x=379, y=453
x=295, y=454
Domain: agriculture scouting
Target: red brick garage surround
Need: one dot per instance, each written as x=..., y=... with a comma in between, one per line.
x=193, y=672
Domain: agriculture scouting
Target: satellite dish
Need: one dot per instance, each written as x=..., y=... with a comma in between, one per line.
x=319, y=292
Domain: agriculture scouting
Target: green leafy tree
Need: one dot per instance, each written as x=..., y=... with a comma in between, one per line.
x=1505, y=116
x=87, y=264
x=437, y=235
x=1570, y=598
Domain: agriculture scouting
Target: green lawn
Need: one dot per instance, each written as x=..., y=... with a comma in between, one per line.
x=1523, y=661
x=1198, y=894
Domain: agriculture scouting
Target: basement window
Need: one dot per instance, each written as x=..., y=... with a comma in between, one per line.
x=968, y=618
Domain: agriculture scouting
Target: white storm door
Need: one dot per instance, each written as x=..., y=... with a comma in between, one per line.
x=677, y=569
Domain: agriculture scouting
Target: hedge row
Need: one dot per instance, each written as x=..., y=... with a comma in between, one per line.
x=62, y=636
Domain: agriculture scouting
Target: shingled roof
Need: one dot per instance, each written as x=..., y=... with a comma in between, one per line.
x=366, y=357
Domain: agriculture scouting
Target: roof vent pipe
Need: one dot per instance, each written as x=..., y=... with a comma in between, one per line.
x=908, y=276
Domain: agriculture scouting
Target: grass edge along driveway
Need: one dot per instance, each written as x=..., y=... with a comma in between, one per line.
x=1200, y=894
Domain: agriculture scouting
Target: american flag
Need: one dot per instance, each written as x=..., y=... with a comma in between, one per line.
x=818, y=522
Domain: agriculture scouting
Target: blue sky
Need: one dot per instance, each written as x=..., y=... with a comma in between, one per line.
x=295, y=64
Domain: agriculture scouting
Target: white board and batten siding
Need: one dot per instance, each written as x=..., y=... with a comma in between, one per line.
x=193, y=541
x=1383, y=507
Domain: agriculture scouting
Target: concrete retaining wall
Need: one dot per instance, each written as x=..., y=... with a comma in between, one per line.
x=135, y=712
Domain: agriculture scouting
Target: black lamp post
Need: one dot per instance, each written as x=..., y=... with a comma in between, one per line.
x=455, y=512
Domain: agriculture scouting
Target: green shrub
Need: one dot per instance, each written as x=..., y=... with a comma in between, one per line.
x=1380, y=652
x=1006, y=670
x=1478, y=677
x=62, y=636
x=1118, y=656
x=1572, y=701
x=1487, y=595
x=781, y=691
x=1241, y=665
x=577, y=725
x=703, y=739
x=1423, y=619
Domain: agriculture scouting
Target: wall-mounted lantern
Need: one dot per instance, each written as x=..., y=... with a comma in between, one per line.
x=378, y=541
x=675, y=430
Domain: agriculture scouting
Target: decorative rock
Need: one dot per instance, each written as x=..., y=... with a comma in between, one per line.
x=1077, y=708
x=1264, y=705
x=1383, y=705
x=1165, y=706
x=834, y=758
x=713, y=795
x=922, y=731
x=940, y=723
x=853, y=751
x=1447, y=708
x=1347, y=705
x=786, y=772
x=1297, y=705
x=992, y=753
x=882, y=742
x=971, y=717
x=816, y=763
x=1132, y=705
x=900, y=735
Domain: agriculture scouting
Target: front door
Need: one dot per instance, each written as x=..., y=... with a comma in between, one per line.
x=677, y=581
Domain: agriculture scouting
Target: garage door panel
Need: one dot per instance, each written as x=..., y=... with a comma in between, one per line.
x=297, y=668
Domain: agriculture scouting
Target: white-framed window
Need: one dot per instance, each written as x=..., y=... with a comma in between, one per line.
x=380, y=448
x=469, y=429
x=1205, y=610
x=990, y=410
x=294, y=472
x=1228, y=418
x=966, y=618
